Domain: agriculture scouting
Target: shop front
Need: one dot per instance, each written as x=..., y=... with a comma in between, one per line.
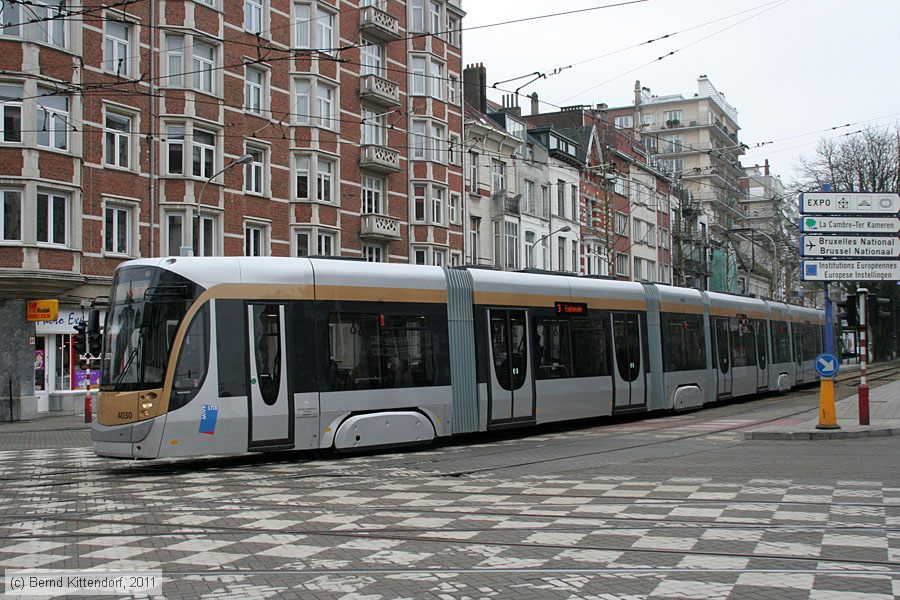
x=56, y=366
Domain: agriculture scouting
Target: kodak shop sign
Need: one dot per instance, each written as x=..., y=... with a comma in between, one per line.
x=43, y=310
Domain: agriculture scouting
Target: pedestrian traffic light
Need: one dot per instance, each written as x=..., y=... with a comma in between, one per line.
x=848, y=310
x=79, y=340
x=878, y=309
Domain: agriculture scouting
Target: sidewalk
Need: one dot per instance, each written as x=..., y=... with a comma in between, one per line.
x=46, y=422
x=884, y=419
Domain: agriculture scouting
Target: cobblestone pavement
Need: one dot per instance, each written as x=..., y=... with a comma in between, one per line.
x=675, y=507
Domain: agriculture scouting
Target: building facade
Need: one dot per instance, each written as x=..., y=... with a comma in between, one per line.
x=212, y=127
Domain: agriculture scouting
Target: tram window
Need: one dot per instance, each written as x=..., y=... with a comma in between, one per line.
x=267, y=345
x=375, y=352
x=590, y=348
x=684, y=346
x=190, y=370
x=743, y=341
x=811, y=340
x=231, y=361
x=552, y=348
x=761, y=354
x=781, y=342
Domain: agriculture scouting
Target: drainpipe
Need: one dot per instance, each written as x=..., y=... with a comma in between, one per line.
x=151, y=138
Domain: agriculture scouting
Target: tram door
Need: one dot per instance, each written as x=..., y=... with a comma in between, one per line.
x=798, y=351
x=629, y=379
x=511, y=388
x=762, y=356
x=724, y=373
x=270, y=399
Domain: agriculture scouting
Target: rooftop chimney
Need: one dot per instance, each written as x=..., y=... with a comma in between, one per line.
x=637, y=92
x=475, y=86
x=766, y=167
x=535, y=105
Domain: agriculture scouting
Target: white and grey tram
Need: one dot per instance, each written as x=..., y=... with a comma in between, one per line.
x=207, y=356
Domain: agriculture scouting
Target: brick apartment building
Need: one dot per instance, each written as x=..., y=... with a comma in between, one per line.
x=260, y=127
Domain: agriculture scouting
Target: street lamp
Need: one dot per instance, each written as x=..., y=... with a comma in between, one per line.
x=563, y=229
x=189, y=250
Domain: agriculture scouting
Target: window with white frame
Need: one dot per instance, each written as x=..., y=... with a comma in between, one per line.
x=619, y=187
x=302, y=176
x=372, y=58
x=52, y=218
x=511, y=233
x=637, y=231
x=561, y=198
x=254, y=90
x=573, y=214
x=454, y=34
x=544, y=209
x=254, y=239
x=561, y=254
x=438, y=257
x=417, y=19
x=648, y=119
x=52, y=120
x=50, y=21
x=175, y=60
x=319, y=111
x=325, y=105
x=420, y=256
x=10, y=112
x=118, y=140
x=474, y=239
x=438, y=143
x=203, y=154
x=117, y=47
x=203, y=64
x=621, y=224
x=419, y=192
x=174, y=149
x=253, y=16
x=254, y=178
x=621, y=264
x=326, y=243
x=429, y=202
x=438, y=195
x=672, y=117
x=436, y=23
x=529, y=249
x=372, y=195
x=498, y=176
x=212, y=3
x=453, y=208
x=427, y=77
x=673, y=143
x=455, y=150
x=372, y=127
x=325, y=172
x=651, y=142
x=626, y=122
x=638, y=270
x=313, y=27
x=574, y=265
x=117, y=230
x=418, y=143
x=528, y=197
x=664, y=238
x=10, y=19
x=453, y=90
x=373, y=252
x=206, y=243
x=473, y=172
x=174, y=229
x=663, y=203
x=455, y=258
x=301, y=242
x=11, y=216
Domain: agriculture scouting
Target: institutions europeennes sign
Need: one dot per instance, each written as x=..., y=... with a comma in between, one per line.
x=850, y=270
x=850, y=246
x=831, y=203
x=831, y=224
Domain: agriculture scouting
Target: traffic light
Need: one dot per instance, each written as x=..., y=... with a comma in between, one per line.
x=94, y=334
x=848, y=310
x=878, y=309
x=79, y=340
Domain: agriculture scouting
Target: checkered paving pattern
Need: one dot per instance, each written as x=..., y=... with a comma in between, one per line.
x=370, y=527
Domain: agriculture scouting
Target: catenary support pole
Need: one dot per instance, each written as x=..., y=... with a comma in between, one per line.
x=863, y=358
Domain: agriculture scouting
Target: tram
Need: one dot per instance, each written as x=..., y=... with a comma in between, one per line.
x=223, y=355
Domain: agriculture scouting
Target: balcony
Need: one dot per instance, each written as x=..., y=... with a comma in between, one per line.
x=376, y=23
x=380, y=159
x=379, y=228
x=379, y=91
x=506, y=204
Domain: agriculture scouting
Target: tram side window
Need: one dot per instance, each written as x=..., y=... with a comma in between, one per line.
x=191, y=368
x=684, y=346
x=743, y=340
x=811, y=340
x=781, y=342
x=552, y=348
x=377, y=351
x=590, y=348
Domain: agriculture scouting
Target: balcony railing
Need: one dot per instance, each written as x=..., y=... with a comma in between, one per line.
x=379, y=228
x=506, y=204
x=379, y=158
x=378, y=24
x=379, y=90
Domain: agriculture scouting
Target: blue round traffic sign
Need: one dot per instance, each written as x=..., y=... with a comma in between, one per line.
x=827, y=365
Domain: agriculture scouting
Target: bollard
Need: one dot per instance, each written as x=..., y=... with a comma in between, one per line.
x=88, y=404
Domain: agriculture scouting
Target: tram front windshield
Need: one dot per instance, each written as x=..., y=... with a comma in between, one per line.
x=145, y=309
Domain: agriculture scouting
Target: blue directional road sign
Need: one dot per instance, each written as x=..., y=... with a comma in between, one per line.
x=827, y=365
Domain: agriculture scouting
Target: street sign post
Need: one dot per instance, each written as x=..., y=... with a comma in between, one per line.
x=832, y=224
x=827, y=365
x=850, y=246
x=850, y=270
x=831, y=203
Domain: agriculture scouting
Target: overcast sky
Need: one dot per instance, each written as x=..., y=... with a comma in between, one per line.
x=792, y=68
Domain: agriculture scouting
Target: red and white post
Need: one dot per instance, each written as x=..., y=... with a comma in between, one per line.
x=863, y=358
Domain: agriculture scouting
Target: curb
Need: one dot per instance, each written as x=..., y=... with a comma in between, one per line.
x=820, y=435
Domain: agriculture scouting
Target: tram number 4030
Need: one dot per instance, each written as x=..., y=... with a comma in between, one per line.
x=125, y=414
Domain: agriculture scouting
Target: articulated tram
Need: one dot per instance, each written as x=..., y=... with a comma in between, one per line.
x=206, y=356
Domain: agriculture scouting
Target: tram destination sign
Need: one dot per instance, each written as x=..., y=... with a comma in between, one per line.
x=850, y=246
x=859, y=203
x=831, y=224
x=850, y=270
